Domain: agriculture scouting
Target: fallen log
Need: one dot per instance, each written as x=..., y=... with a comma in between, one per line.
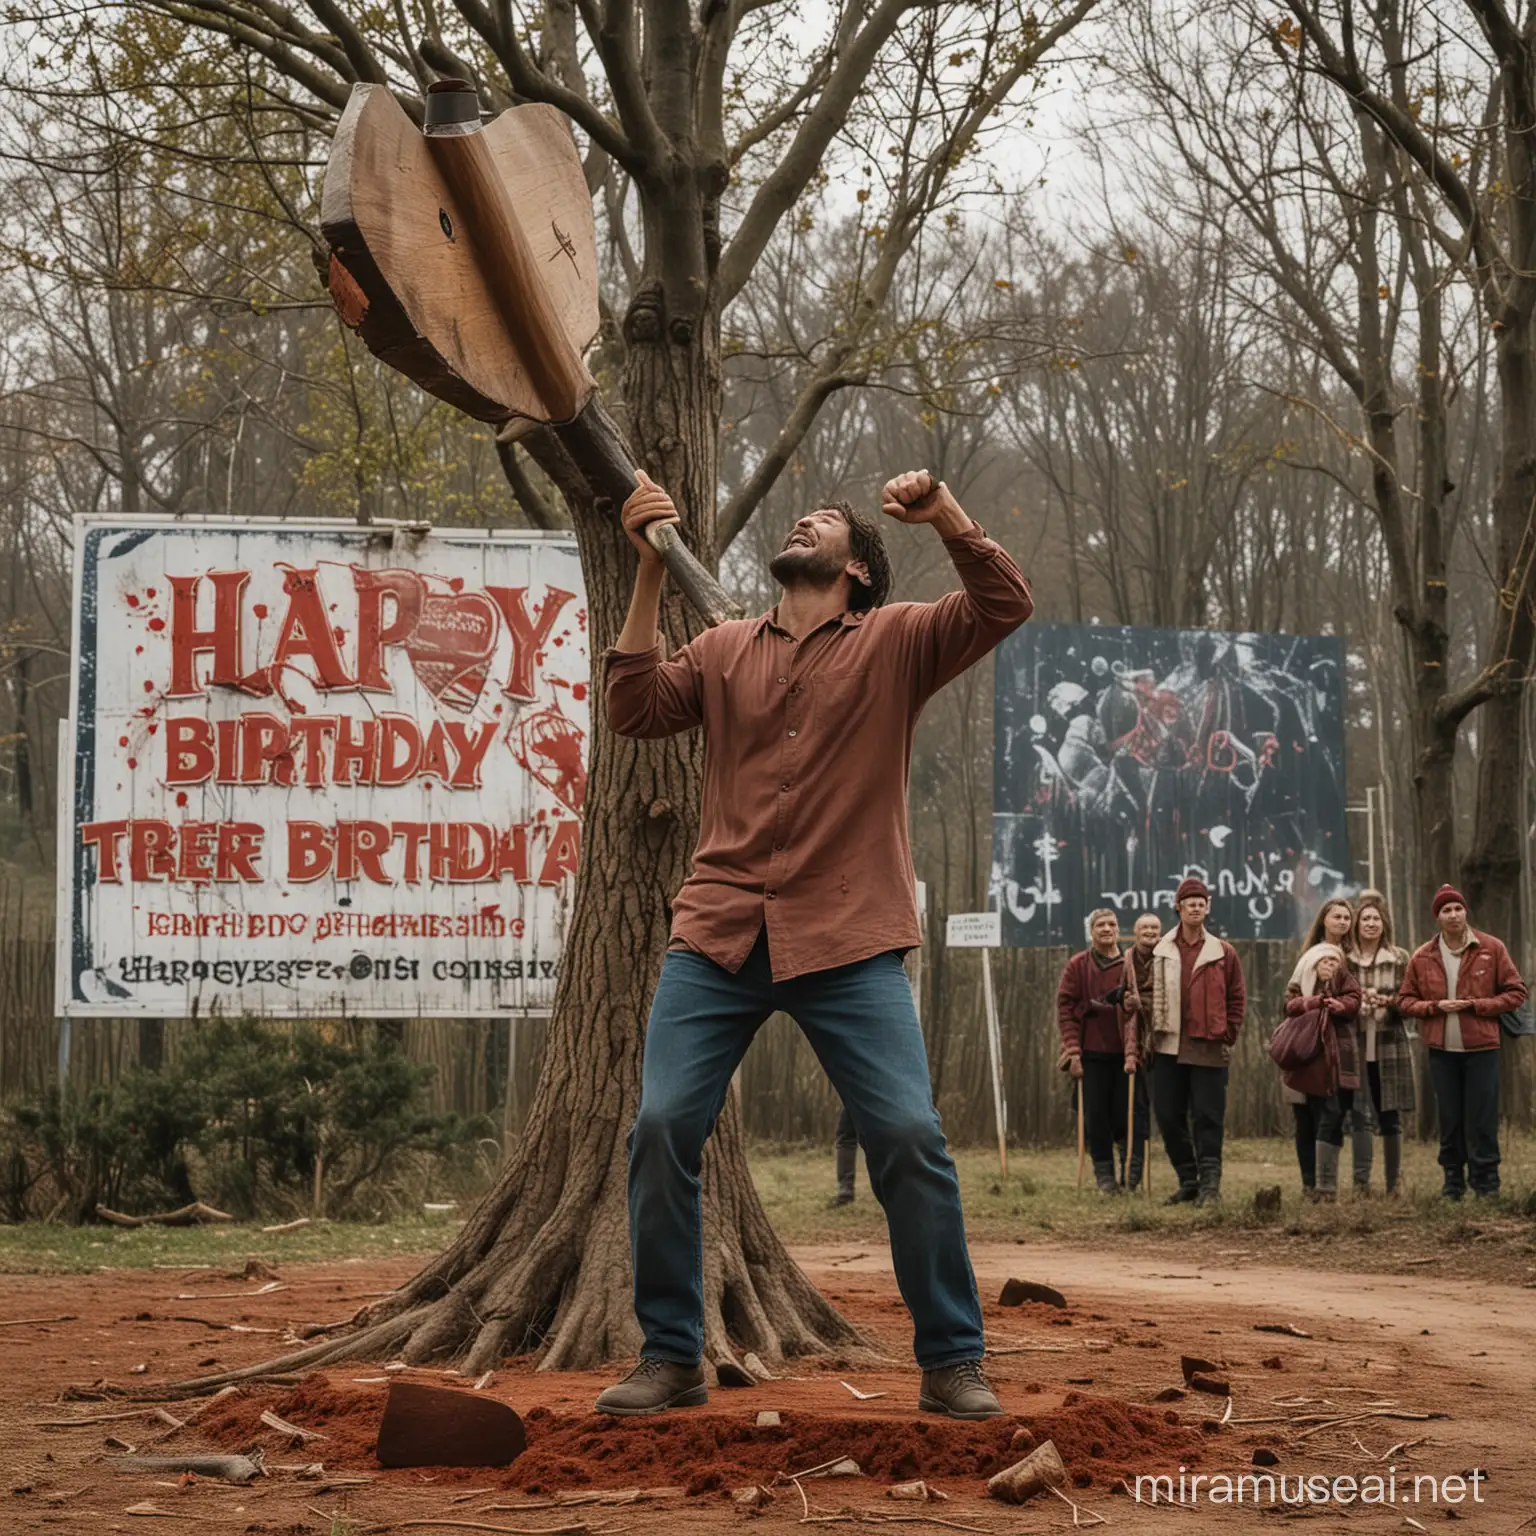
x=195, y=1215
x=229, y=1469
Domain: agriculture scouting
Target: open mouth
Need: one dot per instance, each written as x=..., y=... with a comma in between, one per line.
x=797, y=540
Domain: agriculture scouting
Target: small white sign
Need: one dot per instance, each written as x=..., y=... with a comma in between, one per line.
x=974, y=930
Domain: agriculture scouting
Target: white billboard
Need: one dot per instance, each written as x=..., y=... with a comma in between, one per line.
x=320, y=769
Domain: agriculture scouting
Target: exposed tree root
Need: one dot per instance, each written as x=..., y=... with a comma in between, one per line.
x=526, y=1276
x=542, y=1264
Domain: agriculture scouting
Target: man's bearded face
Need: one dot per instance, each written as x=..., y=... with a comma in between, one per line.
x=816, y=552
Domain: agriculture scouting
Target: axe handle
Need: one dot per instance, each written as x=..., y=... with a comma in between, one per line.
x=597, y=448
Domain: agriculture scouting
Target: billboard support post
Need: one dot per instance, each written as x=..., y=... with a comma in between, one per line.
x=983, y=931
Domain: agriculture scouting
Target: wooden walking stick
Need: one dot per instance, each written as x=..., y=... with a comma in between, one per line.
x=1080, y=1143
x=1130, y=1130
x=465, y=257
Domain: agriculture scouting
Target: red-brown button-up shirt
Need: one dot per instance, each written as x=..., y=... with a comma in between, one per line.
x=803, y=825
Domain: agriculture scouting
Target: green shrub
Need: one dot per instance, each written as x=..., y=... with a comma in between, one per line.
x=248, y=1117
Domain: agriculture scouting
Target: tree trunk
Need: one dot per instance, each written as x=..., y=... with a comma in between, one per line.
x=543, y=1261
x=1491, y=871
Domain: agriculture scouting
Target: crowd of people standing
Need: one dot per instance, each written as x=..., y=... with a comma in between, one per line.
x=1160, y=1019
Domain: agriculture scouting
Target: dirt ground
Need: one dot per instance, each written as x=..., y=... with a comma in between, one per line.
x=1094, y=1378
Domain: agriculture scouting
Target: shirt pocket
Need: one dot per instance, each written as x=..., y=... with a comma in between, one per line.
x=841, y=696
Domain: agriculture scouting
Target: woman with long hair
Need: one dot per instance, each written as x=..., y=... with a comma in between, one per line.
x=1386, y=1063
x=1331, y=926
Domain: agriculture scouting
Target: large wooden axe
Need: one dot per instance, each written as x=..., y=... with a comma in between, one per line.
x=465, y=256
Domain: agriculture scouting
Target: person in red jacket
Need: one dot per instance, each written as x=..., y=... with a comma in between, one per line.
x=1093, y=1048
x=1459, y=984
x=1198, y=1003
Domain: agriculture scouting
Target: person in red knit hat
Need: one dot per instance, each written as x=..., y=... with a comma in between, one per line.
x=1198, y=1003
x=1460, y=984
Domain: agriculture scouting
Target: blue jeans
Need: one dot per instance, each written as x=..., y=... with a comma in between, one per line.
x=861, y=1023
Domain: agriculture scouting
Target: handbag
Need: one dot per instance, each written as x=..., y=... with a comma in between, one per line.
x=1306, y=1050
x=1518, y=1022
x=1298, y=1040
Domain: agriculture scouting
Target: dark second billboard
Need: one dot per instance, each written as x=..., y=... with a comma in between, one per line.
x=1127, y=759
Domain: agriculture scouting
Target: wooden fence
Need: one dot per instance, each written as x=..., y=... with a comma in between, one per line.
x=490, y=1067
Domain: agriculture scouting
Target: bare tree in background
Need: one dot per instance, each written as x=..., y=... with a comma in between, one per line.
x=1451, y=91
x=706, y=134
x=1332, y=239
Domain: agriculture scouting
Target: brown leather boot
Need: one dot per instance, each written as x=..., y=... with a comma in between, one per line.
x=654, y=1386
x=960, y=1391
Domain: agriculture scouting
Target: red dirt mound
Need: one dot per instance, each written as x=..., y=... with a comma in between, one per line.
x=1099, y=1439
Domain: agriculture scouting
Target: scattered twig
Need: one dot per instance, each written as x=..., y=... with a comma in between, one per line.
x=560, y=1501
x=31, y=1322
x=863, y=1397
x=1286, y=1328
x=1079, y=1509
x=287, y=1226
x=506, y=1530
x=265, y=1290
x=1356, y=1418
x=1030, y=1349
x=283, y=1427
x=95, y=1418
x=208, y=1322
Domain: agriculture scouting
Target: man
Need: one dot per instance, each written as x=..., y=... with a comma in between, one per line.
x=1198, y=1003
x=1459, y=984
x=845, y=1159
x=802, y=899
x=1094, y=1048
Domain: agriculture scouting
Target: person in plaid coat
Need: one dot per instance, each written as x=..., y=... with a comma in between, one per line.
x=1387, y=1061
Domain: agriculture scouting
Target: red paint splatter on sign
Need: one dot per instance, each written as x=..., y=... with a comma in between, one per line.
x=259, y=609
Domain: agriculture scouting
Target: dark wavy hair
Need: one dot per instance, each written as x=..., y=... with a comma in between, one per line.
x=1315, y=933
x=866, y=544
